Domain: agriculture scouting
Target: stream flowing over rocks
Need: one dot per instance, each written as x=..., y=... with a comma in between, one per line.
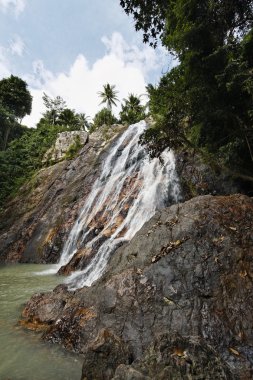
x=173, y=299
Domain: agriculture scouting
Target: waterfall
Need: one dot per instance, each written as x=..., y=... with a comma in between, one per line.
x=129, y=190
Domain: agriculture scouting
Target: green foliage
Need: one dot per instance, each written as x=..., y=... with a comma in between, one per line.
x=54, y=108
x=186, y=24
x=58, y=114
x=15, y=103
x=108, y=95
x=131, y=110
x=73, y=149
x=15, y=97
x=83, y=121
x=207, y=100
x=23, y=158
x=103, y=117
x=24, y=155
x=149, y=16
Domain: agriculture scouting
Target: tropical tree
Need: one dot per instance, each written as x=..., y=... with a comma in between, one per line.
x=207, y=100
x=15, y=103
x=108, y=95
x=132, y=110
x=103, y=117
x=73, y=120
x=69, y=118
x=83, y=121
x=55, y=106
x=15, y=97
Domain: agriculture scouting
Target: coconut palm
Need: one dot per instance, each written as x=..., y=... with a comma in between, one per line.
x=132, y=111
x=108, y=95
x=67, y=117
x=133, y=103
x=83, y=121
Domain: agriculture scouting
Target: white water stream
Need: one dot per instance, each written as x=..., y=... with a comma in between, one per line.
x=129, y=190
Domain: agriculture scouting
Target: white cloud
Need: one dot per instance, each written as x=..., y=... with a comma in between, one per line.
x=17, y=46
x=124, y=66
x=4, y=64
x=145, y=59
x=17, y=6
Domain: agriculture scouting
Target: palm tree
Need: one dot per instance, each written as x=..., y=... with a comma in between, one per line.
x=67, y=117
x=108, y=95
x=83, y=121
x=132, y=111
x=133, y=103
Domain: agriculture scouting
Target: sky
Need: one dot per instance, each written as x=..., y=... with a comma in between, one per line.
x=71, y=48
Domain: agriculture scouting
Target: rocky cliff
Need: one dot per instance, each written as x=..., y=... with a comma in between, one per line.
x=63, y=143
x=175, y=302
x=35, y=224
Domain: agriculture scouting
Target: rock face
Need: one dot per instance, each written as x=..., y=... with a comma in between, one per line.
x=64, y=142
x=199, y=178
x=174, y=357
x=35, y=225
x=175, y=303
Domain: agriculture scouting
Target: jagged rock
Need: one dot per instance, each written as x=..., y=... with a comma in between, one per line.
x=35, y=225
x=127, y=372
x=63, y=143
x=198, y=177
x=40, y=312
x=198, y=285
x=107, y=351
x=173, y=357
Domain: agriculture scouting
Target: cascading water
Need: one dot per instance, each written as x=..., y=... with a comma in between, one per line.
x=129, y=190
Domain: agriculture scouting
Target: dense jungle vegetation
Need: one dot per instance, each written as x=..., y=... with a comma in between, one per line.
x=206, y=101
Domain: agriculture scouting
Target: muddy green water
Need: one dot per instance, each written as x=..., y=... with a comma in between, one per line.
x=23, y=355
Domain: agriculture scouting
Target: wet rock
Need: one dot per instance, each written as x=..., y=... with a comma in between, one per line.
x=199, y=287
x=107, y=351
x=173, y=357
x=127, y=372
x=35, y=225
x=43, y=309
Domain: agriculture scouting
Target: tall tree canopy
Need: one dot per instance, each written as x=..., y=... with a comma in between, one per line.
x=54, y=106
x=177, y=21
x=207, y=100
x=15, y=103
x=15, y=97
